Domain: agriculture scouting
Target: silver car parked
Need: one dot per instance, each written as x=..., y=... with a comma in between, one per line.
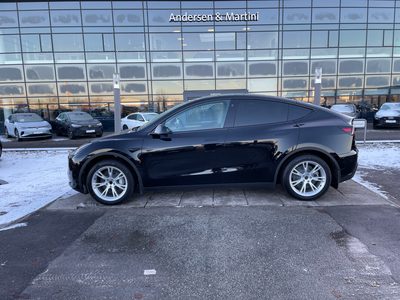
x=27, y=125
x=346, y=109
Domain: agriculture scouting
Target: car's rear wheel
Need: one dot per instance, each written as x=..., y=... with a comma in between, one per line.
x=6, y=132
x=18, y=138
x=306, y=177
x=124, y=127
x=110, y=182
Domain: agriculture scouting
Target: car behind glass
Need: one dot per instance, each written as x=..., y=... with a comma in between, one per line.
x=27, y=126
x=347, y=109
x=225, y=141
x=387, y=116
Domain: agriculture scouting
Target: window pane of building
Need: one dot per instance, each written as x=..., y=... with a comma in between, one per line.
x=129, y=42
x=65, y=18
x=96, y=17
x=352, y=38
x=67, y=42
x=296, y=39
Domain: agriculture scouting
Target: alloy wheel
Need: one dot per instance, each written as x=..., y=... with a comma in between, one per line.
x=109, y=183
x=307, y=178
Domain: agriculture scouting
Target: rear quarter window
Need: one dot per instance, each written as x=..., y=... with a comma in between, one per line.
x=297, y=112
x=256, y=112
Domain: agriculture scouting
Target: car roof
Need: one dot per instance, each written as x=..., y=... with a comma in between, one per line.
x=24, y=114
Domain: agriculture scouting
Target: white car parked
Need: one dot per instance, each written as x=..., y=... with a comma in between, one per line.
x=136, y=119
x=26, y=126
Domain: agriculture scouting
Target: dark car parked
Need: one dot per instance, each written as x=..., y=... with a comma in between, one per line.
x=387, y=116
x=222, y=141
x=76, y=123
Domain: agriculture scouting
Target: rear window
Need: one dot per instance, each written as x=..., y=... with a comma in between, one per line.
x=297, y=112
x=256, y=112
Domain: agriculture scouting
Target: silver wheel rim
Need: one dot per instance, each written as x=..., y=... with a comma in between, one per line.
x=307, y=178
x=109, y=183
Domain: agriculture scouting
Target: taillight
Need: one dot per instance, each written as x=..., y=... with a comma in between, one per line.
x=348, y=129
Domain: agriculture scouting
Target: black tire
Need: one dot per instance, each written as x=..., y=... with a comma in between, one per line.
x=118, y=168
x=125, y=127
x=99, y=135
x=6, y=132
x=320, y=179
x=58, y=132
x=17, y=137
x=70, y=133
x=374, y=126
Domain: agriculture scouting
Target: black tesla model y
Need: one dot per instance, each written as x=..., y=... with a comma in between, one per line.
x=222, y=141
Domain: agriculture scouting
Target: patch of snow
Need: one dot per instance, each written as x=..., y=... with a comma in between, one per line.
x=35, y=178
x=14, y=226
x=4, y=140
x=379, y=156
x=57, y=140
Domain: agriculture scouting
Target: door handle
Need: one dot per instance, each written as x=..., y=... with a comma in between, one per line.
x=283, y=133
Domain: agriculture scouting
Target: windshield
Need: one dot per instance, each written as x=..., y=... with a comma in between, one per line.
x=28, y=118
x=387, y=106
x=80, y=117
x=343, y=108
x=154, y=120
x=148, y=117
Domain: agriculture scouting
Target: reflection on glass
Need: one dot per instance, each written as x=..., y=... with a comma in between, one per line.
x=8, y=19
x=96, y=17
x=128, y=17
x=165, y=41
x=262, y=54
x=262, y=69
x=34, y=18
x=11, y=73
x=67, y=42
x=353, y=15
x=260, y=40
x=132, y=71
x=65, y=18
x=167, y=71
x=326, y=82
x=93, y=42
x=10, y=43
x=100, y=72
x=351, y=66
x=326, y=15
x=108, y=41
x=319, y=39
x=69, y=57
x=72, y=89
x=296, y=53
x=350, y=82
x=376, y=81
x=166, y=56
x=131, y=57
x=45, y=41
x=297, y=16
x=102, y=88
x=231, y=55
x=295, y=83
x=161, y=17
x=295, y=67
x=199, y=70
x=296, y=39
x=30, y=43
x=129, y=41
x=11, y=58
x=351, y=52
x=380, y=15
x=39, y=73
x=328, y=66
x=198, y=41
x=324, y=53
x=379, y=52
x=231, y=70
x=225, y=40
x=267, y=16
x=167, y=87
x=352, y=38
x=333, y=38
x=194, y=85
x=133, y=87
x=230, y=84
x=16, y=90
x=71, y=72
x=198, y=56
x=262, y=84
x=388, y=38
x=41, y=89
x=375, y=38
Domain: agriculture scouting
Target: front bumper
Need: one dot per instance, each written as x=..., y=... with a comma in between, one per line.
x=27, y=133
x=84, y=131
x=386, y=122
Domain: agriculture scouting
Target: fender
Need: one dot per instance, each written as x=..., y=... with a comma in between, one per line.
x=307, y=148
x=82, y=171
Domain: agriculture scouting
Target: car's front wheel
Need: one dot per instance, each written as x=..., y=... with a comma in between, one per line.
x=306, y=177
x=71, y=134
x=110, y=182
x=18, y=138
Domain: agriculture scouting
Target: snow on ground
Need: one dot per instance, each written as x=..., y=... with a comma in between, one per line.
x=34, y=178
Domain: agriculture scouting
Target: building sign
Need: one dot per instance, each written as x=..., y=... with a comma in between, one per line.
x=228, y=17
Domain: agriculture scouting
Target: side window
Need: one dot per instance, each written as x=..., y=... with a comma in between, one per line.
x=132, y=117
x=297, y=112
x=209, y=115
x=139, y=118
x=256, y=112
x=12, y=118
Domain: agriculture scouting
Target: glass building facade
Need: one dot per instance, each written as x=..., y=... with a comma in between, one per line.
x=61, y=56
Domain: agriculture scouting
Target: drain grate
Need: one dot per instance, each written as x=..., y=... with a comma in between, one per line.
x=3, y=182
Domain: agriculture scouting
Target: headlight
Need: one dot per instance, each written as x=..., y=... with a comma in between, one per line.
x=76, y=125
x=376, y=117
x=99, y=124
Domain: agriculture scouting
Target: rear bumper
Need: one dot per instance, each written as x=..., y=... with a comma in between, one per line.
x=348, y=165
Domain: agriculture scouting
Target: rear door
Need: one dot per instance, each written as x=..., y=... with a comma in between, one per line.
x=261, y=134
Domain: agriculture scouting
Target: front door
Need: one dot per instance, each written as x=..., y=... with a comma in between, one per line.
x=192, y=152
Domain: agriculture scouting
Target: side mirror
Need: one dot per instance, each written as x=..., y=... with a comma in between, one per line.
x=161, y=132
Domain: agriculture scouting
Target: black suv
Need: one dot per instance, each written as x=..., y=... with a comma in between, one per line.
x=222, y=141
